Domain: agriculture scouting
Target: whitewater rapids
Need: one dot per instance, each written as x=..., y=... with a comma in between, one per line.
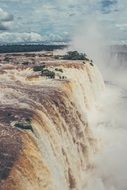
x=58, y=151
x=109, y=123
x=78, y=137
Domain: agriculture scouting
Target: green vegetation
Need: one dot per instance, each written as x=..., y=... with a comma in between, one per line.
x=38, y=68
x=25, y=125
x=12, y=48
x=86, y=59
x=59, y=70
x=57, y=57
x=74, y=55
x=47, y=73
x=44, y=71
x=91, y=63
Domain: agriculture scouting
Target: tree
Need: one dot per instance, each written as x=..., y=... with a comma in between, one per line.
x=74, y=55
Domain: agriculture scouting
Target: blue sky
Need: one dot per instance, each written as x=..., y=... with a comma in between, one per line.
x=57, y=20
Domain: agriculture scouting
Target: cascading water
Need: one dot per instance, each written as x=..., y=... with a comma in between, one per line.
x=108, y=122
x=78, y=135
x=57, y=151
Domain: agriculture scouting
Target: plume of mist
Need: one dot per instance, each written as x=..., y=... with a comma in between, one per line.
x=108, y=120
x=93, y=39
x=88, y=38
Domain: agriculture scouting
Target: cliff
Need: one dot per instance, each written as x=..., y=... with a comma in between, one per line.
x=53, y=151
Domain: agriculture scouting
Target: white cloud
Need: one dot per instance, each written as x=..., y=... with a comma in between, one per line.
x=55, y=17
x=8, y=37
x=5, y=20
x=5, y=16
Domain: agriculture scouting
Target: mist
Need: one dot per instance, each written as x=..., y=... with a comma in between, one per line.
x=108, y=119
x=95, y=40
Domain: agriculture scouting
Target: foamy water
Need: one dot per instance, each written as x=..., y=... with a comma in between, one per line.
x=109, y=123
x=79, y=128
x=59, y=151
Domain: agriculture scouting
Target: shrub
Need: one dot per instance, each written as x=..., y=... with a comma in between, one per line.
x=91, y=63
x=25, y=125
x=48, y=73
x=74, y=55
x=38, y=68
x=86, y=59
x=44, y=71
x=60, y=70
x=56, y=56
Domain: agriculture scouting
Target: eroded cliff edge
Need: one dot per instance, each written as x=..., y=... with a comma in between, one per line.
x=54, y=151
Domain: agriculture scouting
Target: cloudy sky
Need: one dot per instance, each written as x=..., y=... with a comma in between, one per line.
x=57, y=20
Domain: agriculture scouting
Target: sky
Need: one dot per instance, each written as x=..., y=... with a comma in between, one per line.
x=57, y=20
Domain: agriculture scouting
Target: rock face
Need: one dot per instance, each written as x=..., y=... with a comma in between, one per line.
x=57, y=152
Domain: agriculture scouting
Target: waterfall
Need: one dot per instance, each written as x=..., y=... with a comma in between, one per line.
x=57, y=153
